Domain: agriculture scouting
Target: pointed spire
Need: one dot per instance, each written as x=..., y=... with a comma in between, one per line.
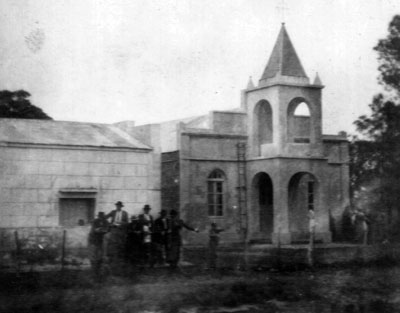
x=317, y=80
x=283, y=60
x=250, y=84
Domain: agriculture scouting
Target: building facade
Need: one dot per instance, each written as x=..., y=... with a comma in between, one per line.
x=257, y=171
x=260, y=169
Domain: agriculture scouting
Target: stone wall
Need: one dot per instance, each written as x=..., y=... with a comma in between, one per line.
x=31, y=179
x=229, y=122
x=150, y=135
x=200, y=155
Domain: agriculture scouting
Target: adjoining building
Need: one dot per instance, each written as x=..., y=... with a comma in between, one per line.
x=57, y=175
x=260, y=168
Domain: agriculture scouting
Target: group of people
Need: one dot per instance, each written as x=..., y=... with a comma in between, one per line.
x=143, y=240
x=356, y=225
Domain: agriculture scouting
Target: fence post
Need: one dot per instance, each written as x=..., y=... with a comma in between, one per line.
x=279, y=265
x=63, y=249
x=310, y=251
x=17, y=252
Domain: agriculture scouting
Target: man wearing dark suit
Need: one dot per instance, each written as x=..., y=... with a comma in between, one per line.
x=160, y=237
x=118, y=216
x=117, y=236
x=146, y=226
x=175, y=239
x=96, y=243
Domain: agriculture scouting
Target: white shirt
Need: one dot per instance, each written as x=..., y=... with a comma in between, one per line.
x=118, y=218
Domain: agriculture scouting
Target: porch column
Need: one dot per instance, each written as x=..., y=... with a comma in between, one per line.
x=281, y=213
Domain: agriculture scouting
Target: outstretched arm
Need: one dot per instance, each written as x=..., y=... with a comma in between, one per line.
x=189, y=227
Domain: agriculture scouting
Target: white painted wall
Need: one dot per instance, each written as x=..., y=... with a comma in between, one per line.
x=32, y=176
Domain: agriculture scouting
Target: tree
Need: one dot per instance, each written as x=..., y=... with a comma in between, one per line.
x=389, y=57
x=15, y=104
x=375, y=158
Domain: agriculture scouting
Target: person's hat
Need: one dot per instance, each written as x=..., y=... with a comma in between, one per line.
x=146, y=207
x=119, y=203
x=163, y=212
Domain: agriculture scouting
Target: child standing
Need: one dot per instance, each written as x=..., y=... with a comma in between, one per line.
x=213, y=245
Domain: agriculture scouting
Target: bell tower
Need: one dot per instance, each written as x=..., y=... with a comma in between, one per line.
x=284, y=109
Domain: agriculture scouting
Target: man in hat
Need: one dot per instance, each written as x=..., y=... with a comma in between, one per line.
x=146, y=225
x=96, y=242
x=160, y=239
x=133, y=242
x=117, y=237
x=175, y=239
x=118, y=216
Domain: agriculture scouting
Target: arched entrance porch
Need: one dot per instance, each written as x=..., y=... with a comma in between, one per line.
x=303, y=195
x=263, y=204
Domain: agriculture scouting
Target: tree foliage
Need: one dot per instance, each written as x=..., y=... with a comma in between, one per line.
x=378, y=157
x=389, y=56
x=16, y=104
x=363, y=164
x=375, y=158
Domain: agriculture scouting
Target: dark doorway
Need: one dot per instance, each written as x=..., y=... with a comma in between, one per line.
x=264, y=203
x=75, y=212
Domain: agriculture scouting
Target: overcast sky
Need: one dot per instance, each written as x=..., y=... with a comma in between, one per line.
x=112, y=60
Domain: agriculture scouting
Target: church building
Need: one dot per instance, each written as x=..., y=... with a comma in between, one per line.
x=263, y=168
x=258, y=171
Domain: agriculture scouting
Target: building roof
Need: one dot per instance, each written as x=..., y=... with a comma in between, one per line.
x=283, y=60
x=49, y=132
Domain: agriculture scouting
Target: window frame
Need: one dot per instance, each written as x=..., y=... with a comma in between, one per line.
x=216, y=194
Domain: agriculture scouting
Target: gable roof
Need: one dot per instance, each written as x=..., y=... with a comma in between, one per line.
x=283, y=60
x=49, y=132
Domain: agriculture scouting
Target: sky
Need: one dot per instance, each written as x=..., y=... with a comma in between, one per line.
x=106, y=61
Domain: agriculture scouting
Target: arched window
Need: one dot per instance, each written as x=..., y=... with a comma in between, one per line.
x=215, y=194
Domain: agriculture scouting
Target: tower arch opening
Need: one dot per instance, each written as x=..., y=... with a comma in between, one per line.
x=299, y=121
x=302, y=109
x=262, y=125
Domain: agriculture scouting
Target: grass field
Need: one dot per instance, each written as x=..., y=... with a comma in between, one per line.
x=372, y=289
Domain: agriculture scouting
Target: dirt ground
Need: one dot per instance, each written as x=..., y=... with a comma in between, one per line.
x=194, y=290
